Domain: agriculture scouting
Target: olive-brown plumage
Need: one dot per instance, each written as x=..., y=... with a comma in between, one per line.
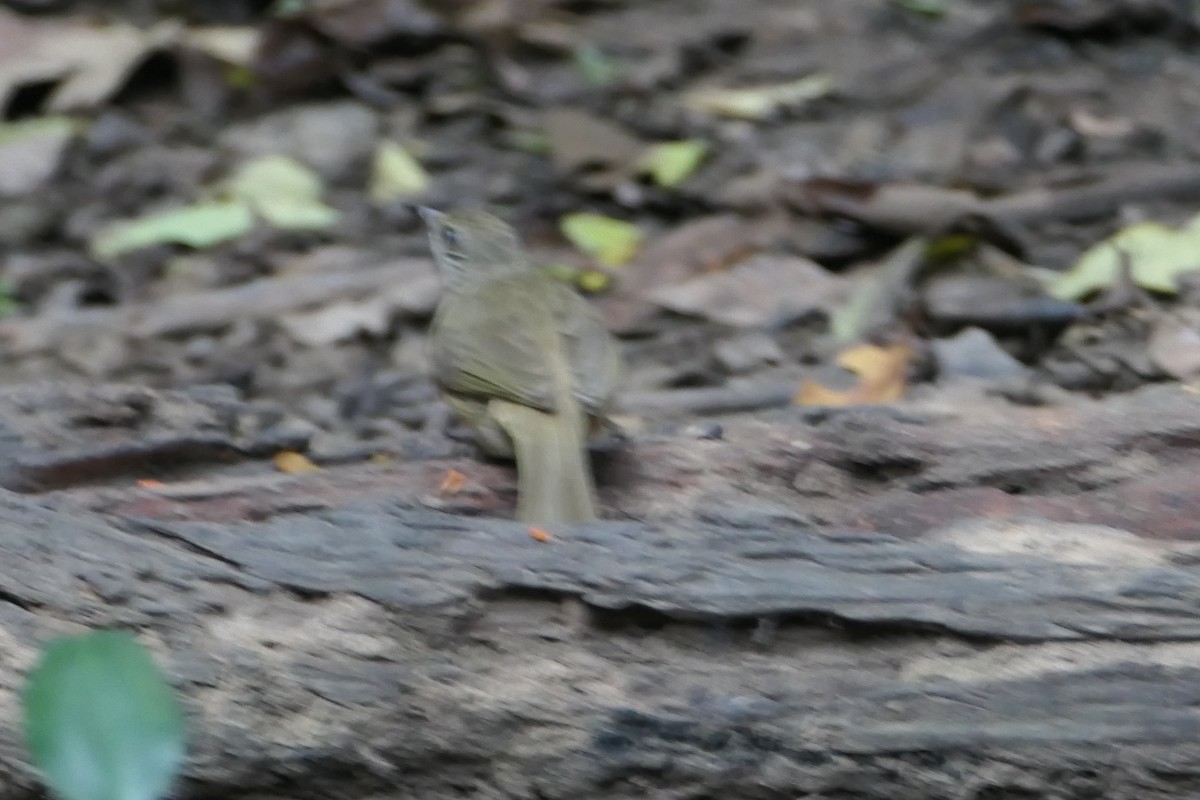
x=522, y=359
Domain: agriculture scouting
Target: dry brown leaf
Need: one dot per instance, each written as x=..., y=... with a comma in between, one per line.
x=598, y=153
x=293, y=463
x=1175, y=344
x=90, y=63
x=452, y=483
x=882, y=373
x=705, y=244
x=762, y=291
x=539, y=534
x=31, y=152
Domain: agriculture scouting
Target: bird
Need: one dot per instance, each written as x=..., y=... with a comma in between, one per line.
x=523, y=359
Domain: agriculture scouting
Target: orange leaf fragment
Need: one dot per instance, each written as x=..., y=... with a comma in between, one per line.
x=539, y=534
x=150, y=483
x=293, y=463
x=453, y=483
x=882, y=373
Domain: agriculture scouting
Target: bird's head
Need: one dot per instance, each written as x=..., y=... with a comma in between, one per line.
x=468, y=245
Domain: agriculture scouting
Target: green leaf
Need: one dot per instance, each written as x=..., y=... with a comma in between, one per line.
x=8, y=303
x=593, y=280
x=597, y=68
x=671, y=163
x=1157, y=254
x=100, y=720
x=284, y=192
x=929, y=8
x=396, y=174
x=610, y=241
x=38, y=128
x=200, y=225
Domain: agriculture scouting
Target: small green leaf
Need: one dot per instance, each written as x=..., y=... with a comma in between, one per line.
x=950, y=247
x=239, y=77
x=8, y=303
x=1157, y=254
x=527, y=141
x=593, y=280
x=200, y=225
x=284, y=192
x=610, y=241
x=396, y=174
x=929, y=8
x=290, y=8
x=101, y=722
x=561, y=272
x=38, y=128
x=597, y=68
x=671, y=163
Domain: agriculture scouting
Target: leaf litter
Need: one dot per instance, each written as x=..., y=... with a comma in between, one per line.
x=769, y=188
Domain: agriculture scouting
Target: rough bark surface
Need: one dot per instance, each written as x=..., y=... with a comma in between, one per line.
x=1029, y=625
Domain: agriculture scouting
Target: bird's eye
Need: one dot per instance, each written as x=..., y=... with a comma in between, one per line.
x=450, y=237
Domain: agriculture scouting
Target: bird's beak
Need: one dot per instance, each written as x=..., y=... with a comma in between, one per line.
x=430, y=215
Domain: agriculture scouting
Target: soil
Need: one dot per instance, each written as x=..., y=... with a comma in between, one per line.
x=888, y=516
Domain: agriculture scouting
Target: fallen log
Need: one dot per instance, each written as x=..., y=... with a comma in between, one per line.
x=370, y=644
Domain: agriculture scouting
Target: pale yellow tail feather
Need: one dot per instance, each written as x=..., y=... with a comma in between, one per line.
x=554, y=477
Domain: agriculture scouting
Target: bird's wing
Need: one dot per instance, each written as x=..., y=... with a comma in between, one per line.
x=502, y=349
x=590, y=349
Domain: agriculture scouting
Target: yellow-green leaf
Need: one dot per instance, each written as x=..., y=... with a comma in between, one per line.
x=396, y=174
x=930, y=8
x=759, y=102
x=561, y=272
x=38, y=127
x=593, y=280
x=1157, y=254
x=671, y=163
x=595, y=65
x=200, y=225
x=284, y=192
x=610, y=241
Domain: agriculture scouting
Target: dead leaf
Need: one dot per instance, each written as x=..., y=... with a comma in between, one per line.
x=1175, y=344
x=339, y=322
x=759, y=102
x=880, y=293
x=882, y=372
x=974, y=353
x=293, y=463
x=594, y=151
x=705, y=244
x=900, y=208
x=89, y=63
x=31, y=151
x=453, y=483
x=362, y=23
x=235, y=46
x=539, y=534
x=762, y=291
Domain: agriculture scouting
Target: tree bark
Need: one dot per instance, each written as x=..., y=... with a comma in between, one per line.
x=341, y=639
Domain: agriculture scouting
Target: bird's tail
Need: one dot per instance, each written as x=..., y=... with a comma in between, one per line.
x=554, y=477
